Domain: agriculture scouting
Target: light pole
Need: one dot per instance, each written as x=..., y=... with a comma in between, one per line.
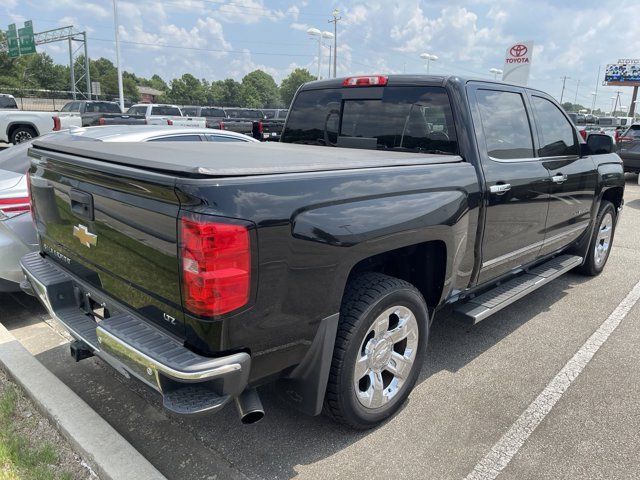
x=593, y=102
x=612, y=100
x=314, y=32
x=564, y=80
x=335, y=20
x=496, y=72
x=115, y=21
x=429, y=58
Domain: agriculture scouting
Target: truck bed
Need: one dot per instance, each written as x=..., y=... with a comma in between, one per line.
x=230, y=160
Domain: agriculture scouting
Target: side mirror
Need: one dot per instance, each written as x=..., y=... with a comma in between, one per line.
x=600, y=143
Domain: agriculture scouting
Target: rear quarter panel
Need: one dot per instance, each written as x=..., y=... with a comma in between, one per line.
x=312, y=229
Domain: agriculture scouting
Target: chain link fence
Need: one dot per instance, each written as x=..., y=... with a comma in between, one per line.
x=46, y=100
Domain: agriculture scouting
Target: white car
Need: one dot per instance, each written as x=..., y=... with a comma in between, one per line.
x=17, y=234
x=20, y=126
x=162, y=114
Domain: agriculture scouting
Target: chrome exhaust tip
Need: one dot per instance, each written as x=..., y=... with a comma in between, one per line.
x=249, y=406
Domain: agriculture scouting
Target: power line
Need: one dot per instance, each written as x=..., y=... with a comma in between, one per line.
x=200, y=49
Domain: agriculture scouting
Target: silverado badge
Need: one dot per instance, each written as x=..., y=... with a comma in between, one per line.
x=86, y=238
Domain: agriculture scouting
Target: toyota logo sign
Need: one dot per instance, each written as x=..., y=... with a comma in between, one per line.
x=518, y=50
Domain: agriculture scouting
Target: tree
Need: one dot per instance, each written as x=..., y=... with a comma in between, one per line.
x=225, y=93
x=290, y=85
x=260, y=89
x=187, y=90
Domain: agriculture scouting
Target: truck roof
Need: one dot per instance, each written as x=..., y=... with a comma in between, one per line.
x=201, y=159
x=395, y=80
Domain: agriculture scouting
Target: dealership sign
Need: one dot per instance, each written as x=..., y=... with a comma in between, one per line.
x=517, y=63
x=625, y=73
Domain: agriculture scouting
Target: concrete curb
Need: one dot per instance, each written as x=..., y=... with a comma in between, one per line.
x=108, y=453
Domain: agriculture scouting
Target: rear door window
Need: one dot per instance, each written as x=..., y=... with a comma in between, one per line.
x=410, y=119
x=7, y=102
x=223, y=138
x=557, y=135
x=505, y=124
x=177, y=138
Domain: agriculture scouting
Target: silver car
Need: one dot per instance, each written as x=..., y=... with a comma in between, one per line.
x=17, y=233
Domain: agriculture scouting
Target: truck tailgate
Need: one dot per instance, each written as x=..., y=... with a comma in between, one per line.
x=117, y=233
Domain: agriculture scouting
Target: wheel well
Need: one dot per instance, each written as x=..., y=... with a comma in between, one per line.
x=614, y=195
x=14, y=126
x=423, y=265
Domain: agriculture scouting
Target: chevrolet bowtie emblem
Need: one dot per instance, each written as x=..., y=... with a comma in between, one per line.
x=86, y=238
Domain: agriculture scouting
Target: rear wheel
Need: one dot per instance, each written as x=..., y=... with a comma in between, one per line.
x=601, y=240
x=23, y=134
x=379, y=350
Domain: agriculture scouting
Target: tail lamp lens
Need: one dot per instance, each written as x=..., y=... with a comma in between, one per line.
x=57, y=125
x=216, y=266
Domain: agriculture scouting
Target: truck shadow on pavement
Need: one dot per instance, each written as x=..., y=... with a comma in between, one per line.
x=218, y=444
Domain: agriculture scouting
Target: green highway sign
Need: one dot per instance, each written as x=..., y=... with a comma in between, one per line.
x=12, y=41
x=25, y=37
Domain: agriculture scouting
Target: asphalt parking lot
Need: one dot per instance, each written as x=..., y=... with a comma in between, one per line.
x=477, y=381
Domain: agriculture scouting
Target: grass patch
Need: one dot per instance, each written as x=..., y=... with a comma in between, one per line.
x=20, y=458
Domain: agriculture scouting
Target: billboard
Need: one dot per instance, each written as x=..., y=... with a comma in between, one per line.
x=625, y=73
x=517, y=63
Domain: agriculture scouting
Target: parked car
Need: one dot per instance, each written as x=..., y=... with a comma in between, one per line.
x=98, y=112
x=20, y=126
x=161, y=114
x=17, y=234
x=7, y=102
x=580, y=121
x=250, y=120
x=629, y=148
x=317, y=262
x=273, y=123
x=214, y=116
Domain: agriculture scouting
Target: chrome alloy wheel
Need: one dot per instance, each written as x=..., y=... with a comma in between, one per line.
x=386, y=356
x=603, y=241
x=23, y=136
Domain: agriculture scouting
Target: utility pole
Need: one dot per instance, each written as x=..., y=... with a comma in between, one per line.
x=595, y=94
x=115, y=21
x=575, y=100
x=564, y=80
x=615, y=105
x=335, y=20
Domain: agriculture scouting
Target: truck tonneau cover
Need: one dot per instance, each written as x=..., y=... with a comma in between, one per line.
x=209, y=159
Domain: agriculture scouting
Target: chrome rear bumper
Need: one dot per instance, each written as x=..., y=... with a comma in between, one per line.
x=188, y=382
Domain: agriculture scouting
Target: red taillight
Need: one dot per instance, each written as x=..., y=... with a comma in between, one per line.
x=260, y=127
x=14, y=205
x=216, y=266
x=583, y=134
x=221, y=125
x=371, y=81
x=101, y=121
x=56, y=124
x=169, y=122
x=625, y=139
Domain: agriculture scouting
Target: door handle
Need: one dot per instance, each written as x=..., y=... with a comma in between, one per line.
x=559, y=178
x=500, y=188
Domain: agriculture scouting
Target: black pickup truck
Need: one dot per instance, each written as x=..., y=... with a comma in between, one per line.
x=319, y=262
x=98, y=112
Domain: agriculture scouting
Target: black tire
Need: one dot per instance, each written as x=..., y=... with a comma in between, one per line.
x=23, y=133
x=591, y=266
x=366, y=298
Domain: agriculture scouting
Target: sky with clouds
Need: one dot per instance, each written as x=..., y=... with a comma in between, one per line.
x=216, y=39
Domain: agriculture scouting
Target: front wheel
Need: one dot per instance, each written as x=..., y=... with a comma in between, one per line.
x=380, y=346
x=601, y=240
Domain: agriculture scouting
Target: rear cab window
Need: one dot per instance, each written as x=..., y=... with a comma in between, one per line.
x=401, y=118
x=166, y=110
x=190, y=111
x=138, y=110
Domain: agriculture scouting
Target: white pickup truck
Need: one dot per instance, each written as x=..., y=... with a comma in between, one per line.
x=20, y=126
x=162, y=114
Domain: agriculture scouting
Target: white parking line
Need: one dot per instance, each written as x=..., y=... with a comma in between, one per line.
x=506, y=448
